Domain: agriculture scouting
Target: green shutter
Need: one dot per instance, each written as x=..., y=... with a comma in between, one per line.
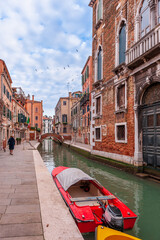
x=82, y=80
x=19, y=117
x=87, y=71
x=8, y=114
x=4, y=111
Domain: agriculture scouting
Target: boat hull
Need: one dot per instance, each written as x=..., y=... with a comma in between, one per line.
x=89, y=216
x=104, y=233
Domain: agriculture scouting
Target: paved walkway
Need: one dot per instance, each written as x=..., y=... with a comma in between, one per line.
x=31, y=207
x=19, y=202
x=83, y=146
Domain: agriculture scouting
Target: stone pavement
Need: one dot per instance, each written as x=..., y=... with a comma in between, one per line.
x=31, y=207
x=20, y=216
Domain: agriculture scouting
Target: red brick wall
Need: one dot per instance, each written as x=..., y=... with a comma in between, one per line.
x=105, y=36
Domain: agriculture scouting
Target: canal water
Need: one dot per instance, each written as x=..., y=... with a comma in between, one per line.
x=140, y=195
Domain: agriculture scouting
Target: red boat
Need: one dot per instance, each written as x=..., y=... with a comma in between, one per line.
x=90, y=203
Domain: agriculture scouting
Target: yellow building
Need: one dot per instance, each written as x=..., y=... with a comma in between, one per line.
x=63, y=113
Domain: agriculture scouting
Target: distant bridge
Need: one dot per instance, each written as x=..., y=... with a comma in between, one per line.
x=55, y=136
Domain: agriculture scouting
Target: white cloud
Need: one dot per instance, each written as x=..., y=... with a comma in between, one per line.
x=45, y=45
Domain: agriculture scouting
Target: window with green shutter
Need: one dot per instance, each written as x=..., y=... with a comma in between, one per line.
x=19, y=117
x=82, y=80
x=4, y=89
x=8, y=113
x=87, y=71
x=4, y=111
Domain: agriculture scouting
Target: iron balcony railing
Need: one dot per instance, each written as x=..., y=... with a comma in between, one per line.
x=84, y=99
x=145, y=47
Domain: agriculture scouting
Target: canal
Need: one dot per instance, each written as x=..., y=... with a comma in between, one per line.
x=140, y=195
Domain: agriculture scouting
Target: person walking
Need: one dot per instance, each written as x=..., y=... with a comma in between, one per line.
x=11, y=143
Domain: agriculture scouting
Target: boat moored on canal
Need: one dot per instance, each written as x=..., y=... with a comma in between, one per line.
x=90, y=203
x=105, y=233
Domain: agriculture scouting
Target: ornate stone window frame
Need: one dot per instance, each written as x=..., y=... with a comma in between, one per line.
x=100, y=114
x=117, y=40
x=153, y=17
x=96, y=64
x=116, y=132
x=117, y=86
x=97, y=7
x=98, y=140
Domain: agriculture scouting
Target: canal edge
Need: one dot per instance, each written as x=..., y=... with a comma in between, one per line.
x=56, y=219
x=141, y=172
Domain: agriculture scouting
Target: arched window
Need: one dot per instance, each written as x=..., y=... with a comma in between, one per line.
x=122, y=43
x=99, y=64
x=99, y=11
x=145, y=18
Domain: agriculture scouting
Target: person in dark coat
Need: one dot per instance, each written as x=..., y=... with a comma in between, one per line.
x=11, y=143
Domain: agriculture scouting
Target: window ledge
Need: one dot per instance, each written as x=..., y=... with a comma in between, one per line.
x=123, y=110
x=98, y=24
x=98, y=83
x=97, y=140
x=97, y=116
x=120, y=69
x=121, y=141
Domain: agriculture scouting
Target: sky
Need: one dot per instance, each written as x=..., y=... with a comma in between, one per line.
x=45, y=45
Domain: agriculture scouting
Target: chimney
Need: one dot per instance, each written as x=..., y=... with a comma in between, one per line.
x=32, y=97
x=70, y=94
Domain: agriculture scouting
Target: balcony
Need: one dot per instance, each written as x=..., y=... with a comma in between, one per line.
x=84, y=99
x=145, y=49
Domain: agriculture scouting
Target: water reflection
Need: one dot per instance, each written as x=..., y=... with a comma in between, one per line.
x=142, y=196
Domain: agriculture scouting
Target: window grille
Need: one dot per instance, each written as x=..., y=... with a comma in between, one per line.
x=98, y=133
x=121, y=132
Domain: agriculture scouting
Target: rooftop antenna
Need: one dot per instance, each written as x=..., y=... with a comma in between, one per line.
x=68, y=86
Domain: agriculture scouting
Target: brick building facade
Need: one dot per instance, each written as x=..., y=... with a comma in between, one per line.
x=5, y=103
x=35, y=110
x=63, y=114
x=76, y=122
x=125, y=97
x=85, y=102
